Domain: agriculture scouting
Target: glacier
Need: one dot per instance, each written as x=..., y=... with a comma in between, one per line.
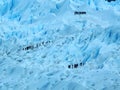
x=45, y=46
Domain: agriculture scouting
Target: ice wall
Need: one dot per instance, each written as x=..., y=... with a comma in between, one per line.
x=40, y=38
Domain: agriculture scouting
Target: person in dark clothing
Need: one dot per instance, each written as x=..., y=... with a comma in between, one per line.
x=110, y=0
x=78, y=12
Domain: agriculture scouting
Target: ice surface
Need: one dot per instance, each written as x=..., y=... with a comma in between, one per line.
x=40, y=38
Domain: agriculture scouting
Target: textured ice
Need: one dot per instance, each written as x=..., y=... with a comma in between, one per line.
x=39, y=39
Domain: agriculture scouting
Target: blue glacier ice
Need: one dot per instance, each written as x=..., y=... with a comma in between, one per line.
x=41, y=41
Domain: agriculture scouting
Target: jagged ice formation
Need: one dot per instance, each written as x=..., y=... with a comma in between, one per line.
x=42, y=40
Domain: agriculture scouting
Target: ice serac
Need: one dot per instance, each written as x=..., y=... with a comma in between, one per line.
x=44, y=45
